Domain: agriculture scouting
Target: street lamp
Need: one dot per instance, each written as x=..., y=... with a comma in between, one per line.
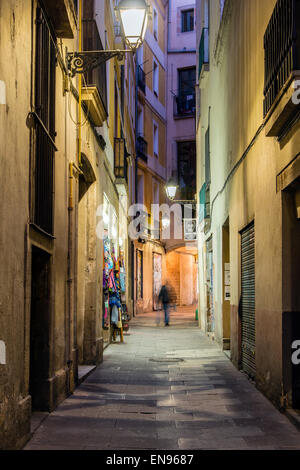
x=133, y=16
x=171, y=188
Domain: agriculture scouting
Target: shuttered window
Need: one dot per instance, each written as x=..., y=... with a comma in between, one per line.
x=248, y=301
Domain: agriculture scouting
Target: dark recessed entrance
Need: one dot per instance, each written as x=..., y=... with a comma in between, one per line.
x=40, y=329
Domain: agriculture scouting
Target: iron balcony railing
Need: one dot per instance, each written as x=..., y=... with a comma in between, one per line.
x=44, y=179
x=92, y=42
x=44, y=125
x=204, y=49
x=142, y=148
x=185, y=104
x=282, y=49
x=141, y=79
x=120, y=154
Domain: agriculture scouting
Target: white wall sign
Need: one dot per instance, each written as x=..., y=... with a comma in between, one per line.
x=190, y=229
x=2, y=353
x=2, y=92
x=227, y=292
x=227, y=282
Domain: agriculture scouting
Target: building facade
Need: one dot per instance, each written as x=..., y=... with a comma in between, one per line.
x=181, y=260
x=151, y=154
x=166, y=146
x=69, y=155
x=248, y=140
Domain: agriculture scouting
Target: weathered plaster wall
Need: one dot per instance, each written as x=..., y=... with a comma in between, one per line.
x=15, y=55
x=234, y=94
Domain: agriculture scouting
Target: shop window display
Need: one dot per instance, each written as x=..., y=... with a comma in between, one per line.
x=115, y=316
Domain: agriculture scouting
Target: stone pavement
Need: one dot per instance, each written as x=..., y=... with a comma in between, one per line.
x=166, y=388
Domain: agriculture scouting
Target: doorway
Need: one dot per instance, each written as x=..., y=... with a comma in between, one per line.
x=226, y=286
x=210, y=287
x=291, y=292
x=40, y=325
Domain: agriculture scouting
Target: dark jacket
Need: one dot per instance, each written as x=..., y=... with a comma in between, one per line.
x=164, y=295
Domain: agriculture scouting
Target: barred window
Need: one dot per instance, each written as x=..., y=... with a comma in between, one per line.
x=45, y=124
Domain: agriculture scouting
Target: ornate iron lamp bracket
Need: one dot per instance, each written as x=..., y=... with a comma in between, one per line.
x=82, y=62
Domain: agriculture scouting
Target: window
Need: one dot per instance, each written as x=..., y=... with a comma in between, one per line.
x=155, y=216
x=155, y=78
x=282, y=50
x=187, y=21
x=91, y=41
x=140, y=55
x=155, y=140
x=45, y=125
x=155, y=24
x=187, y=81
x=186, y=157
x=139, y=274
x=141, y=189
x=185, y=101
x=140, y=121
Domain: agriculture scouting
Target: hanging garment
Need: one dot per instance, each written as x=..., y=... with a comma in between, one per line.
x=115, y=315
x=123, y=282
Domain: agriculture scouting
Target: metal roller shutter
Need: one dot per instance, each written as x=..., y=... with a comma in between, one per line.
x=248, y=301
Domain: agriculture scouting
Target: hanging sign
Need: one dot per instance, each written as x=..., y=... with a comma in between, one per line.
x=190, y=229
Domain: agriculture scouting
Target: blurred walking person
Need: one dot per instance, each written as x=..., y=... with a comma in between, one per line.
x=164, y=298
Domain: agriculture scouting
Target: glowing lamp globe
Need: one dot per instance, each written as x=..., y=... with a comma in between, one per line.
x=133, y=15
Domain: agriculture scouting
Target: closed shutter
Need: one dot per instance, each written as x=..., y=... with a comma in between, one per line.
x=248, y=301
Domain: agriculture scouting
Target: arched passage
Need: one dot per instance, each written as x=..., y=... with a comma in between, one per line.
x=181, y=275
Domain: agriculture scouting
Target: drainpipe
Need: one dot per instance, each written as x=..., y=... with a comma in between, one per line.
x=72, y=253
x=70, y=319
x=72, y=275
x=79, y=83
x=136, y=177
x=169, y=22
x=136, y=126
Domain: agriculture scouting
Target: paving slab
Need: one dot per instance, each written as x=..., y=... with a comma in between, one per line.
x=140, y=399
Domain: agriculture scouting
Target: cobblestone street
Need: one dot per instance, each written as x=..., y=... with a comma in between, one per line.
x=166, y=388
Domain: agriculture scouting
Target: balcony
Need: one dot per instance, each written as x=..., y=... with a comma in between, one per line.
x=141, y=79
x=94, y=92
x=142, y=148
x=204, y=57
x=63, y=16
x=282, y=65
x=185, y=105
x=120, y=156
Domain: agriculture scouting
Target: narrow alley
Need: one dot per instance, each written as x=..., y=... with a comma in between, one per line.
x=165, y=388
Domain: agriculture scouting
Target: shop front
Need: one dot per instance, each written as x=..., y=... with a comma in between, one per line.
x=115, y=317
